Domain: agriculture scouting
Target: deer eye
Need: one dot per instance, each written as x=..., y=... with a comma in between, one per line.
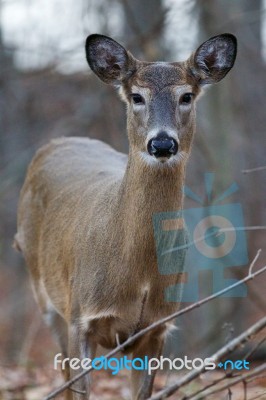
x=186, y=98
x=137, y=98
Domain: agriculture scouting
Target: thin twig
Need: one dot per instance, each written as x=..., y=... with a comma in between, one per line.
x=117, y=339
x=245, y=389
x=232, y=382
x=247, y=171
x=254, y=262
x=168, y=373
x=258, y=397
x=257, y=345
x=155, y=325
x=241, y=228
x=215, y=234
x=230, y=347
x=229, y=374
x=254, y=378
x=228, y=327
x=77, y=390
x=140, y=320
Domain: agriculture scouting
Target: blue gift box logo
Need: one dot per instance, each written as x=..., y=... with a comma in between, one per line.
x=213, y=239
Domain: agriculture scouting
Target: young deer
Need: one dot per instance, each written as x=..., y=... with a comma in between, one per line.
x=85, y=211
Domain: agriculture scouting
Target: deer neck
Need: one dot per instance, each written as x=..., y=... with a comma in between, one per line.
x=146, y=190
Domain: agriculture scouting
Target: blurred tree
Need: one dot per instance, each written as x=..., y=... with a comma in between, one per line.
x=231, y=130
x=9, y=148
x=234, y=109
x=143, y=27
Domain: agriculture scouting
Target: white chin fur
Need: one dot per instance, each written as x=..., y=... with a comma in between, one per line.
x=163, y=161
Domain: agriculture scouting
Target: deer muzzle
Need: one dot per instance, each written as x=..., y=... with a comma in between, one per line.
x=162, y=145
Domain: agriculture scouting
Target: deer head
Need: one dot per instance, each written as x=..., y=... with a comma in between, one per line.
x=160, y=96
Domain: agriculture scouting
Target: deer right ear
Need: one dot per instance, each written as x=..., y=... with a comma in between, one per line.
x=214, y=58
x=108, y=59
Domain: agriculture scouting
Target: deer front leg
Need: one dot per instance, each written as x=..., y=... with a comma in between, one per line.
x=150, y=346
x=80, y=346
x=59, y=329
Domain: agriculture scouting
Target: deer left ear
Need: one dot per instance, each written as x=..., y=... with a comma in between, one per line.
x=214, y=58
x=108, y=59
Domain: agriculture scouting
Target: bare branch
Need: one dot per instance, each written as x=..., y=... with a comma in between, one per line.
x=245, y=390
x=230, y=347
x=254, y=262
x=140, y=320
x=247, y=171
x=117, y=339
x=77, y=390
x=259, y=376
x=229, y=374
x=258, y=397
x=216, y=233
x=257, y=345
x=231, y=383
x=156, y=324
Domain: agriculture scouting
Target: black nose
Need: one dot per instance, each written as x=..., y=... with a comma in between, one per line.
x=162, y=146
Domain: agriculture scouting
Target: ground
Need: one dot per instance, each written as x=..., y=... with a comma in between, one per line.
x=33, y=383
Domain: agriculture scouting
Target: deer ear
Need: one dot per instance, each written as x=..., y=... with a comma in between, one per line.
x=214, y=58
x=108, y=59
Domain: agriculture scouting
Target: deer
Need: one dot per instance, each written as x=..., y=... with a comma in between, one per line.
x=85, y=210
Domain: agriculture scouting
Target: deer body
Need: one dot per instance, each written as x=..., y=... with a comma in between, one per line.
x=109, y=239
x=85, y=212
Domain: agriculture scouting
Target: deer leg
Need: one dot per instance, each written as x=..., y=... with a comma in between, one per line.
x=59, y=330
x=80, y=346
x=57, y=324
x=150, y=346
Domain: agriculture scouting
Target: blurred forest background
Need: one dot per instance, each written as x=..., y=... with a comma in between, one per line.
x=47, y=90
